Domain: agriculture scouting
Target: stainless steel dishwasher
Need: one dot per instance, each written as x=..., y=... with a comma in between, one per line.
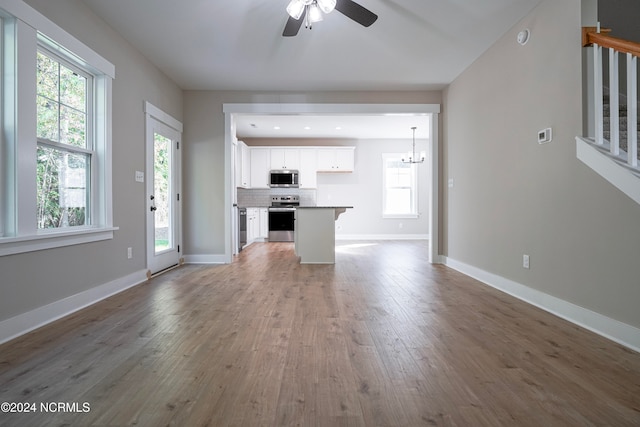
x=242, y=228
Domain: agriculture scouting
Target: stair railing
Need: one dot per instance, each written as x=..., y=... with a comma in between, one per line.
x=600, y=39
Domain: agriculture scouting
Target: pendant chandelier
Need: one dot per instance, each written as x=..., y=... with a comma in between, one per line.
x=411, y=155
x=313, y=8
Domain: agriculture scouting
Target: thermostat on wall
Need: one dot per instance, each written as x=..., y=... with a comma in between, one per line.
x=544, y=136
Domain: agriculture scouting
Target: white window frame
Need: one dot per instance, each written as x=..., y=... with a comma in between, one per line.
x=89, y=148
x=3, y=152
x=24, y=30
x=386, y=157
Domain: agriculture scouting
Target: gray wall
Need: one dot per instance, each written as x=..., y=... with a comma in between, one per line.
x=512, y=196
x=203, y=155
x=38, y=278
x=621, y=16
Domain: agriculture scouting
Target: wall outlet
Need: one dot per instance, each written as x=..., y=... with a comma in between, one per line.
x=400, y=225
x=525, y=261
x=139, y=176
x=129, y=253
x=450, y=182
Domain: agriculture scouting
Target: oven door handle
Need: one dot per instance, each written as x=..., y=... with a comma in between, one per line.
x=282, y=209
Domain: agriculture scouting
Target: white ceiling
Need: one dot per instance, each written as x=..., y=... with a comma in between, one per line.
x=331, y=126
x=238, y=44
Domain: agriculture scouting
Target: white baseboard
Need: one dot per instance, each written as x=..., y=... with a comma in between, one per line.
x=607, y=327
x=26, y=322
x=205, y=259
x=382, y=237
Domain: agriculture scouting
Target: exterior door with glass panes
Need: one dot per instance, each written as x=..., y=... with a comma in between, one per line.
x=163, y=196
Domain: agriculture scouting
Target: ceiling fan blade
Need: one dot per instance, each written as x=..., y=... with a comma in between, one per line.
x=292, y=26
x=353, y=10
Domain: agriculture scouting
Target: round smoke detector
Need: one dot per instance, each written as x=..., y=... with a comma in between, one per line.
x=523, y=36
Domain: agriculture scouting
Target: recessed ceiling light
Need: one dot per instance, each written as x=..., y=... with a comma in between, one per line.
x=338, y=127
x=276, y=127
x=307, y=128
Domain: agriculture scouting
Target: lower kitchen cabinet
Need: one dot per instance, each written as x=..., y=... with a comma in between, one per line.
x=252, y=225
x=263, y=220
x=257, y=225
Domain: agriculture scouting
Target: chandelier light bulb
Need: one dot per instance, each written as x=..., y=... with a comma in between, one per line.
x=413, y=158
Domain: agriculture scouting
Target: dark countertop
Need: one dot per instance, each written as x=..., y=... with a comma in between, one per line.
x=325, y=207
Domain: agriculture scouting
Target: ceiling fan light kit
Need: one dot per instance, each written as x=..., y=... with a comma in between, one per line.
x=327, y=5
x=316, y=8
x=310, y=11
x=295, y=8
x=315, y=14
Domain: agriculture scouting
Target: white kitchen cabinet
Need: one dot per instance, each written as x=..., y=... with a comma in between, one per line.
x=285, y=158
x=260, y=167
x=263, y=220
x=243, y=165
x=336, y=159
x=257, y=225
x=308, y=168
x=253, y=227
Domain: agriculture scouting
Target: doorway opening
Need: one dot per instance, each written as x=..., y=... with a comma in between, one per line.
x=427, y=112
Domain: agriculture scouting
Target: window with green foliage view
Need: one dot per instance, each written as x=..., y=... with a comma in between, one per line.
x=65, y=150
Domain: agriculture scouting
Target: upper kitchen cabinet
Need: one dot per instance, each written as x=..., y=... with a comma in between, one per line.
x=260, y=167
x=285, y=158
x=243, y=165
x=336, y=159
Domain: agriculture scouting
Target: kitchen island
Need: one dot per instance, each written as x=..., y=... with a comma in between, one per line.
x=315, y=233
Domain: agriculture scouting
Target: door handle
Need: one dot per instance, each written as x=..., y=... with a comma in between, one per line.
x=153, y=208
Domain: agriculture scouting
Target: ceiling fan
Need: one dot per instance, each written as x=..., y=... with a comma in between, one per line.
x=310, y=11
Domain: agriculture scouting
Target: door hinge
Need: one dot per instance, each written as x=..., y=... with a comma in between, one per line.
x=177, y=145
x=178, y=195
x=178, y=248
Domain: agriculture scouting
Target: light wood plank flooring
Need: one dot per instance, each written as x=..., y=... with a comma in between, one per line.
x=380, y=339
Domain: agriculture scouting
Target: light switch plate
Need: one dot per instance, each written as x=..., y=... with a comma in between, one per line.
x=139, y=176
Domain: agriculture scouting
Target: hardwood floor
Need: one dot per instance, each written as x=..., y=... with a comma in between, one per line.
x=380, y=339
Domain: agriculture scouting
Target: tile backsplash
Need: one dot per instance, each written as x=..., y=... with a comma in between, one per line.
x=262, y=197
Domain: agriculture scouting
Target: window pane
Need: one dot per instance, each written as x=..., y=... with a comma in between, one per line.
x=398, y=201
x=400, y=186
x=48, y=119
x=62, y=188
x=73, y=89
x=399, y=177
x=62, y=103
x=162, y=192
x=47, y=74
x=72, y=127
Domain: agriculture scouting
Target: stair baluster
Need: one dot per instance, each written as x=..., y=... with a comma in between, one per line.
x=632, y=110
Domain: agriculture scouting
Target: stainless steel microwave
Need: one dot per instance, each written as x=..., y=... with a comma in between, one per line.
x=283, y=178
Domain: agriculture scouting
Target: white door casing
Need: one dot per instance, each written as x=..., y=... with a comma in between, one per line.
x=163, y=188
x=430, y=113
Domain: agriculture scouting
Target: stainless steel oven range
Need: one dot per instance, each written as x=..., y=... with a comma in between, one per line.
x=281, y=218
